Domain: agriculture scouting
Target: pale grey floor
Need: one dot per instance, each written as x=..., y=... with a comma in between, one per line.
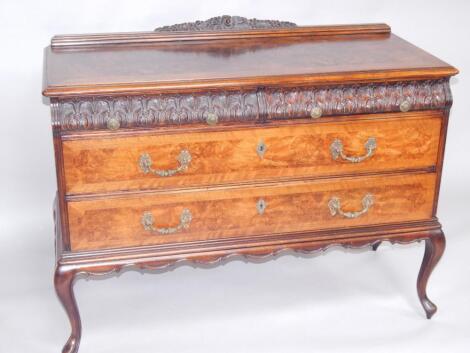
x=353, y=301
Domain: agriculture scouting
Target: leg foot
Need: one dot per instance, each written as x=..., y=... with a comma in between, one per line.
x=434, y=249
x=63, y=282
x=376, y=245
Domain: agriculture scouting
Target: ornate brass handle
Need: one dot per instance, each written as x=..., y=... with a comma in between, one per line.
x=335, y=207
x=184, y=158
x=148, y=222
x=336, y=149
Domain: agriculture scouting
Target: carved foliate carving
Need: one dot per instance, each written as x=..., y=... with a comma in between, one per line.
x=356, y=99
x=148, y=111
x=226, y=23
x=268, y=104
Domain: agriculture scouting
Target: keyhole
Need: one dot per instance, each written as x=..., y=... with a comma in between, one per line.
x=261, y=149
x=261, y=206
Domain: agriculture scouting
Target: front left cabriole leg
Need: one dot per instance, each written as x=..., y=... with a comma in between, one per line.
x=63, y=282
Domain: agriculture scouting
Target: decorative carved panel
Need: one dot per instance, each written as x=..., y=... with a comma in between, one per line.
x=226, y=23
x=356, y=99
x=147, y=111
x=270, y=104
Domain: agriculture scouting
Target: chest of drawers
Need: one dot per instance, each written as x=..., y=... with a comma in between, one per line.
x=235, y=137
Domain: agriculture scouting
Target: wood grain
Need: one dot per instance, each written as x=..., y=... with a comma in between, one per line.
x=204, y=65
x=108, y=164
x=291, y=207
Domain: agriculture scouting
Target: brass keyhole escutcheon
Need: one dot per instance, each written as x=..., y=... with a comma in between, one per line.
x=261, y=149
x=261, y=206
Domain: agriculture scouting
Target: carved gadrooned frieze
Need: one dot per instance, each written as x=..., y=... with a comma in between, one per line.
x=148, y=111
x=356, y=99
x=265, y=104
x=226, y=23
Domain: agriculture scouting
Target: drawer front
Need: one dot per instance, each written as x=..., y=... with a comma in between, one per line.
x=176, y=217
x=156, y=160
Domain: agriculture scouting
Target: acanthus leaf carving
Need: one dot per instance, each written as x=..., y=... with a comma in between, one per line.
x=263, y=104
x=150, y=111
x=356, y=99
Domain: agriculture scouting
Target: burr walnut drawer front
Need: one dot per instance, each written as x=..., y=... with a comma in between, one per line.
x=178, y=217
x=156, y=160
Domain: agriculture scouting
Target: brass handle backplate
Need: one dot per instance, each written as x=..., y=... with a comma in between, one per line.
x=148, y=222
x=336, y=149
x=184, y=159
x=335, y=207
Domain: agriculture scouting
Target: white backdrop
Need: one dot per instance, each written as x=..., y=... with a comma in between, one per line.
x=342, y=301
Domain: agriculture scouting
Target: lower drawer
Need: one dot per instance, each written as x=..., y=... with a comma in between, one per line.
x=175, y=217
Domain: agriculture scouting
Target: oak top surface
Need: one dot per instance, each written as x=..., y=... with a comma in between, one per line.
x=179, y=65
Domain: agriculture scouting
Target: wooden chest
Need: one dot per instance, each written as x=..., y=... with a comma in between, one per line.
x=236, y=137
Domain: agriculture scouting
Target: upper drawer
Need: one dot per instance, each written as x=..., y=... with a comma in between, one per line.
x=153, y=160
x=264, y=104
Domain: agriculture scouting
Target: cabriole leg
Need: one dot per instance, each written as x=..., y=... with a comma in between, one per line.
x=434, y=249
x=376, y=245
x=63, y=282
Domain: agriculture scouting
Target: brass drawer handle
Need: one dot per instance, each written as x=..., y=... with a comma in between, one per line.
x=185, y=220
x=316, y=112
x=336, y=149
x=335, y=207
x=405, y=106
x=184, y=158
x=212, y=119
x=113, y=124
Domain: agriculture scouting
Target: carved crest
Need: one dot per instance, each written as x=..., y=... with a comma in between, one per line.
x=225, y=23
